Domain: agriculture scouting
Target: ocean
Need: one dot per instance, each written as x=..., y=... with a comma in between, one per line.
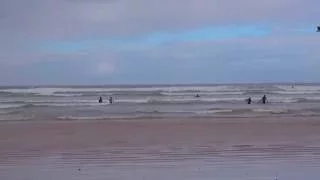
x=157, y=101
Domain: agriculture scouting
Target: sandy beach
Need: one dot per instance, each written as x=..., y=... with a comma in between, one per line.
x=159, y=90
x=238, y=148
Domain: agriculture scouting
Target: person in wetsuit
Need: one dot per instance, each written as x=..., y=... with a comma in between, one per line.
x=100, y=99
x=264, y=99
x=110, y=99
x=249, y=100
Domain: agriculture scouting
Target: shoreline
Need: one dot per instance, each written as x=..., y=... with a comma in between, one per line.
x=213, y=119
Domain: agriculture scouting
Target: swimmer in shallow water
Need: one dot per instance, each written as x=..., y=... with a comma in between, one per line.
x=249, y=100
x=110, y=99
x=264, y=99
x=100, y=99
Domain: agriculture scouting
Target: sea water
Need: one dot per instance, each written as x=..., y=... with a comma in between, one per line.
x=81, y=102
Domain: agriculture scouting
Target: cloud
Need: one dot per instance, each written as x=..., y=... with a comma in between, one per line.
x=105, y=68
x=150, y=41
x=74, y=18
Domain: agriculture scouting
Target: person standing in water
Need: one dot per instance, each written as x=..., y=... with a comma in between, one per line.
x=264, y=99
x=249, y=100
x=100, y=99
x=110, y=99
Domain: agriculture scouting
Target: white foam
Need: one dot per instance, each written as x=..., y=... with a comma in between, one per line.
x=299, y=89
x=202, y=93
x=81, y=118
x=282, y=100
x=296, y=92
x=76, y=91
x=40, y=91
x=12, y=103
x=193, y=99
x=54, y=91
x=271, y=110
x=223, y=99
x=215, y=111
x=138, y=101
x=293, y=99
x=96, y=117
x=30, y=101
x=7, y=106
x=71, y=104
x=170, y=91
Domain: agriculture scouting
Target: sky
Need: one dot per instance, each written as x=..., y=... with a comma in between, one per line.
x=45, y=42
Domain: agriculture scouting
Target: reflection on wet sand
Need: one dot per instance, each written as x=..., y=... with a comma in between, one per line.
x=287, y=148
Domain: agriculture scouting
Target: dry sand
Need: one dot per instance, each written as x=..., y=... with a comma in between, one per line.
x=238, y=148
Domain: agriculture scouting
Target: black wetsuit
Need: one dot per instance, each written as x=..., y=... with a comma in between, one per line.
x=249, y=100
x=264, y=99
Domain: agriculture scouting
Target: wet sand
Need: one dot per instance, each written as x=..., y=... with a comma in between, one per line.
x=237, y=148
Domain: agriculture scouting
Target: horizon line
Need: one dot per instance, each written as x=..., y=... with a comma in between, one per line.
x=160, y=84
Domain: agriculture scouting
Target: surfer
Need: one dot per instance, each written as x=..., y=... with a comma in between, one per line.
x=110, y=99
x=264, y=99
x=249, y=100
x=100, y=99
x=318, y=29
x=197, y=96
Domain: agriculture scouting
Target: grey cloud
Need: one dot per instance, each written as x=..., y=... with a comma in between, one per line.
x=72, y=18
x=275, y=51
x=23, y=22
